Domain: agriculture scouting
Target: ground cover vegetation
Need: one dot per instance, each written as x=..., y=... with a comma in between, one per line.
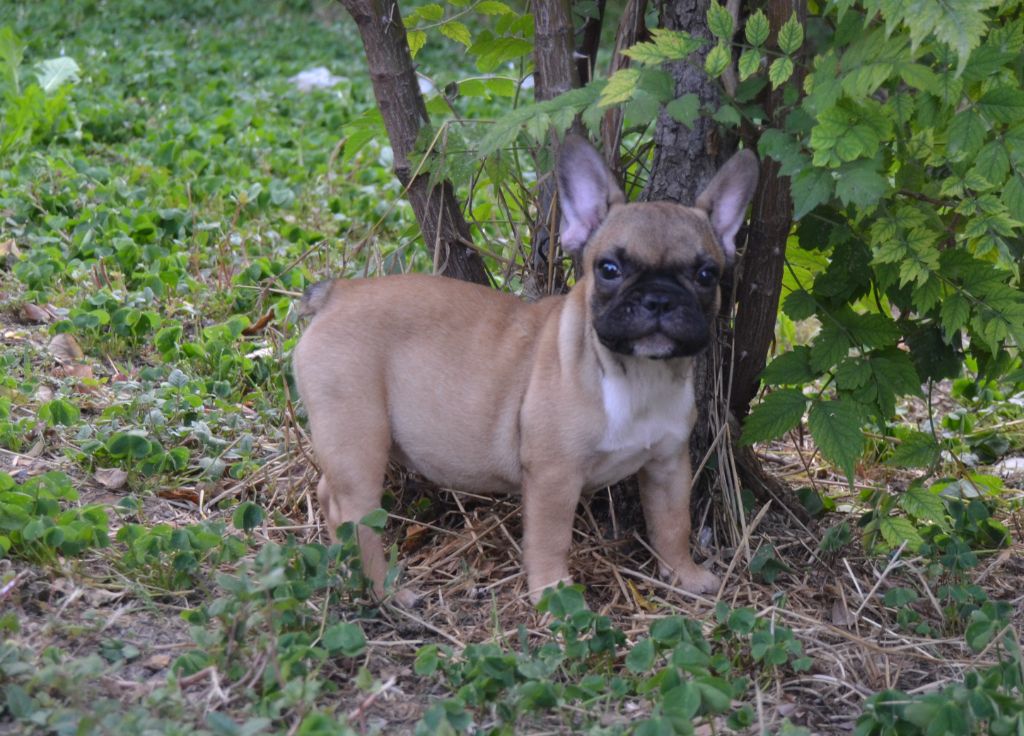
x=166, y=193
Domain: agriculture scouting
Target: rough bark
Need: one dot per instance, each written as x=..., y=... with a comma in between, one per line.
x=553, y=47
x=760, y=283
x=685, y=159
x=555, y=73
x=397, y=92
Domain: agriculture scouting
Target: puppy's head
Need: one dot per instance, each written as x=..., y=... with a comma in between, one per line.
x=651, y=270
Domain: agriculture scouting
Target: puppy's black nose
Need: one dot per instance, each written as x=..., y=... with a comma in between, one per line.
x=657, y=302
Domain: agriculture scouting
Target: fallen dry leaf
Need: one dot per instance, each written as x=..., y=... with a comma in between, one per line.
x=65, y=348
x=157, y=662
x=43, y=393
x=9, y=249
x=111, y=478
x=260, y=324
x=841, y=615
x=34, y=313
x=188, y=495
x=415, y=536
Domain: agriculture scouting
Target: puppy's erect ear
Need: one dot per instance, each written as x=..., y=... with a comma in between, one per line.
x=586, y=191
x=726, y=198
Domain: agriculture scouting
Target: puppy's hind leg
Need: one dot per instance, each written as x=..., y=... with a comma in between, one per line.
x=351, y=487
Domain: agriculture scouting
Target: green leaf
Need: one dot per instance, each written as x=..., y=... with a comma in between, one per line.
x=749, y=63
x=718, y=61
x=790, y=368
x=684, y=109
x=727, y=115
x=959, y=23
x=757, y=29
x=681, y=702
x=619, y=87
x=498, y=51
x=791, y=35
x=493, y=7
x=836, y=429
x=720, y=22
x=1003, y=104
x=431, y=12
x=765, y=564
x=896, y=530
x=247, y=516
x=416, y=40
x=923, y=505
x=59, y=412
x=830, y=346
x=811, y=187
x=54, y=73
x=12, y=51
x=835, y=538
x=457, y=31
x=375, y=520
x=859, y=183
x=668, y=45
x=799, y=305
x=954, y=312
x=778, y=413
x=785, y=149
x=427, y=660
x=18, y=702
x=641, y=657
x=780, y=71
x=129, y=445
x=346, y=638
x=917, y=450
x=967, y=132
x=1013, y=196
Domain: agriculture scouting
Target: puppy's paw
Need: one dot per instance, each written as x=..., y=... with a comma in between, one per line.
x=692, y=578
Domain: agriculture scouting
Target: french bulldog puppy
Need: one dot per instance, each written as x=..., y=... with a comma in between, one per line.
x=478, y=390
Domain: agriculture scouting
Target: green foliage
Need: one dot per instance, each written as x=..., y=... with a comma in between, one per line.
x=685, y=677
x=34, y=110
x=917, y=143
x=39, y=523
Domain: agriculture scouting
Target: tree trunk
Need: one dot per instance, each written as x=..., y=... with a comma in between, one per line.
x=555, y=73
x=760, y=283
x=685, y=159
x=401, y=105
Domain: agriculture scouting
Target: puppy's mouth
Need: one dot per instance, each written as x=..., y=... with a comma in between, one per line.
x=657, y=344
x=653, y=324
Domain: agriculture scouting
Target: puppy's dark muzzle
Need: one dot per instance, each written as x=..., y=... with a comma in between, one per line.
x=650, y=315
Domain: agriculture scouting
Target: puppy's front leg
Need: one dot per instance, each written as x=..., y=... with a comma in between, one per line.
x=550, y=497
x=665, y=495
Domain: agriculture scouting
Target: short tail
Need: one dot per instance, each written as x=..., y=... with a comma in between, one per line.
x=314, y=298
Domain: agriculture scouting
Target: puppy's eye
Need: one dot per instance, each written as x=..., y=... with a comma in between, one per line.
x=707, y=276
x=609, y=270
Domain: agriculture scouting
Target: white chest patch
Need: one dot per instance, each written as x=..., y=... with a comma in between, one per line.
x=648, y=412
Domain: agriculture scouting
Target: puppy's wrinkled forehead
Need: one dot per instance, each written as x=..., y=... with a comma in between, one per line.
x=659, y=234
